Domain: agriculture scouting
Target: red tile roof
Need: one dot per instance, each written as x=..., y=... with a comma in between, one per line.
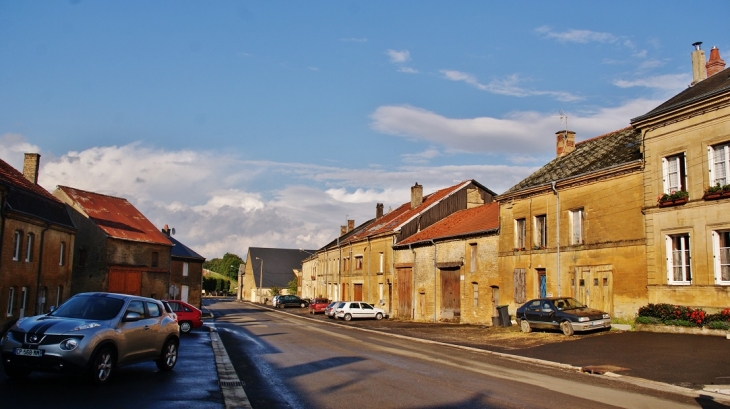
x=116, y=216
x=464, y=222
x=391, y=222
x=14, y=177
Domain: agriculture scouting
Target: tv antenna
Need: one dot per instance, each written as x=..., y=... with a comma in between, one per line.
x=563, y=118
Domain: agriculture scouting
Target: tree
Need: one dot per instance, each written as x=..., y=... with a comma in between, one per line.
x=227, y=266
x=274, y=291
x=292, y=286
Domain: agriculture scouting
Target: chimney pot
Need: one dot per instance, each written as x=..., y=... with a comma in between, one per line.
x=565, y=143
x=378, y=211
x=716, y=64
x=350, y=225
x=416, y=195
x=30, y=167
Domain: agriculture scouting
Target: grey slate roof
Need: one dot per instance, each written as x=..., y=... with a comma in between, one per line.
x=599, y=153
x=279, y=265
x=180, y=250
x=714, y=85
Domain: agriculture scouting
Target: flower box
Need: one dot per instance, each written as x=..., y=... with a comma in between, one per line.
x=716, y=195
x=674, y=202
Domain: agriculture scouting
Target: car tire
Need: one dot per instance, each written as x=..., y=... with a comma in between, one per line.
x=168, y=356
x=13, y=372
x=379, y=316
x=330, y=316
x=302, y=305
x=102, y=366
x=566, y=328
x=525, y=326
x=185, y=327
x=348, y=317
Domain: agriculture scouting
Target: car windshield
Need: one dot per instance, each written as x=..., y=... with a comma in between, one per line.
x=90, y=308
x=568, y=304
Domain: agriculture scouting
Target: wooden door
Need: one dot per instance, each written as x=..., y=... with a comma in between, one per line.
x=125, y=281
x=450, y=294
x=405, y=293
x=357, y=292
x=593, y=286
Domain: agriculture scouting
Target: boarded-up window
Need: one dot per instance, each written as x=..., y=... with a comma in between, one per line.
x=520, y=293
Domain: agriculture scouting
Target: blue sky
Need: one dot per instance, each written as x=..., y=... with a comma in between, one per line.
x=270, y=123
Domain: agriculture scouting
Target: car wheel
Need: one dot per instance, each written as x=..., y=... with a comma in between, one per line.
x=348, y=317
x=168, y=357
x=525, y=326
x=185, y=327
x=330, y=316
x=14, y=372
x=102, y=366
x=566, y=328
x=302, y=305
x=379, y=316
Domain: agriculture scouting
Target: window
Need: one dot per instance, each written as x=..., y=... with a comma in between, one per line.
x=721, y=251
x=17, y=237
x=472, y=257
x=475, y=294
x=155, y=259
x=185, y=269
x=675, y=174
x=381, y=265
x=23, y=300
x=83, y=254
x=29, y=248
x=541, y=231
x=678, y=259
x=719, y=164
x=11, y=302
x=154, y=309
x=576, y=226
x=520, y=233
x=62, y=253
x=358, y=262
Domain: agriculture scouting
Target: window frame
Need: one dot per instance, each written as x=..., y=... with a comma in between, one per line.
x=577, y=226
x=185, y=269
x=667, y=186
x=520, y=233
x=61, y=253
x=541, y=237
x=473, y=249
x=717, y=254
x=29, y=243
x=155, y=259
x=712, y=162
x=684, y=252
x=17, y=244
x=358, y=262
x=11, y=302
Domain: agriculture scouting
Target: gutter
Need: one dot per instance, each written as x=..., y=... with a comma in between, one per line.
x=557, y=231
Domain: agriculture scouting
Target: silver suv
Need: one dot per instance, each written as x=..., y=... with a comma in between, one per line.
x=93, y=333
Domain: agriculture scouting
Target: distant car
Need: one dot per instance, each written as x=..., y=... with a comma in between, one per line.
x=329, y=310
x=188, y=316
x=291, y=301
x=274, y=300
x=318, y=305
x=563, y=313
x=348, y=310
x=92, y=333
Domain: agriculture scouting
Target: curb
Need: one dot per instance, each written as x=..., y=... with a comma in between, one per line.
x=234, y=397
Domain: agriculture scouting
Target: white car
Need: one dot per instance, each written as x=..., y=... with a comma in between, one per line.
x=348, y=310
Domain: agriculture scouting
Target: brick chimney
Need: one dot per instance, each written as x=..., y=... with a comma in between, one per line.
x=166, y=230
x=416, y=195
x=565, y=143
x=716, y=64
x=350, y=225
x=30, y=166
x=378, y=211
x=699, y=69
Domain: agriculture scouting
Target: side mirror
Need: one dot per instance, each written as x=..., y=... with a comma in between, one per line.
x=131, y=316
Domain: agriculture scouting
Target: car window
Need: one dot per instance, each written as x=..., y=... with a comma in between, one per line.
x=136, y=306
x=90, y=307
x=546, y=306
x=366, y=306
x=187, y=309
x=355, y=305
x=154, y=309
x=341, y=305
x=175, y=307
x=572, y=303
x=535, y=304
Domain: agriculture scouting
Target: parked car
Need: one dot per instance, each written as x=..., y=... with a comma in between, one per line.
x=291, y=301
x=318, y=305
x=92, y=333
x=563, y=313
x=275, y=300
x=188, y=316
x=329, y=310
x=348, y=310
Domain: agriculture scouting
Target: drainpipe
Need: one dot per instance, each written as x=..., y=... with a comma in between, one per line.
x=370, y=253
x=435, y=279
x=413, y=283
x=3, y=216
x=40, y=269
x=557, y=230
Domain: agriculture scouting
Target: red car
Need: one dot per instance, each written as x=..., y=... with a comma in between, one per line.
x=188, y=317
x=318, y=305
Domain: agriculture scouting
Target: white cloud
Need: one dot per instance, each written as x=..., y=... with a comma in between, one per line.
x=507, y=86
x=13, y=147
x=398, y=57
x=421, y=157
x=579, y=36
x=354, y=40
x=668, y=82
x=408, y=70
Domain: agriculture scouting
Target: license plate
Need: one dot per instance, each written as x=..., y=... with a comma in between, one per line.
x=28, y=352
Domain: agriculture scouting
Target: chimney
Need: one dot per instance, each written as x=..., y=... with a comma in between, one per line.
x=166, y=230
x=699, y=70
x=416, y=195
x=378, y=211
x=30, y=167
x=716, y=64
x=343, y=230
x=565, y=142
x=350, y=225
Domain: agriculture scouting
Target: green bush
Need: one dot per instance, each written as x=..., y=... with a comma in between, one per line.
x=647, y=320
x=719, y=325
x=679, y=315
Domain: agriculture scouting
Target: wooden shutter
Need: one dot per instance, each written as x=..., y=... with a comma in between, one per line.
x=520, y=292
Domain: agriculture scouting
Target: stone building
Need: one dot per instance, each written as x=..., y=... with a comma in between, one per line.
x=36, y=244
x=575, y=227
x=117, y=249
x=267, y=268
x=454, y=265
x=186, y=271
x=687, y=153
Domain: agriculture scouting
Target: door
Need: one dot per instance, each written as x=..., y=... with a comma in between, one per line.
x=541, y=283
x=357, y=292
x=405, y=293
x=450, y=294
x=125, y=281
x=184, y=293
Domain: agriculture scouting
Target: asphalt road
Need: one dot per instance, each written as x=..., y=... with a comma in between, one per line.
x=289, y=362
x=193, y=384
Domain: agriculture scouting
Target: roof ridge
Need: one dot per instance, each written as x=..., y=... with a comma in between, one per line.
x=93, y=193
x=604, y=135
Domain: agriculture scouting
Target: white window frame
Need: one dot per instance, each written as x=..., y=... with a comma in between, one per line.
x=718, y=158
x=185, y=269
x=721, y=256
x=23, y=301
x=541, y=230
x=11, y=302
x=577, y=225
x=670, y=184
x=29, y=248
x=17, y=243
x=520, y=233
x=683, y=253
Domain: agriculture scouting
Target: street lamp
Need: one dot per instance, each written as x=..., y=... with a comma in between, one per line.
x=261, y=278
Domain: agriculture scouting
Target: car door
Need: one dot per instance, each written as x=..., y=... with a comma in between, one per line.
x=367, y=310
x=547, y=314
x=138, y=336
x=355, y=310
x=532, y=312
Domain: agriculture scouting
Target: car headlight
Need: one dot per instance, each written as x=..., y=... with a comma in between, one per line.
x=583, y=319
x=606, y=316
x=69, y=344
x=87, y=326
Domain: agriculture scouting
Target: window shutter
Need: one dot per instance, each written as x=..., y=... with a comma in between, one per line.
x=711, y=165
x=670, y=260
x=665, y=175
x=683, y=174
